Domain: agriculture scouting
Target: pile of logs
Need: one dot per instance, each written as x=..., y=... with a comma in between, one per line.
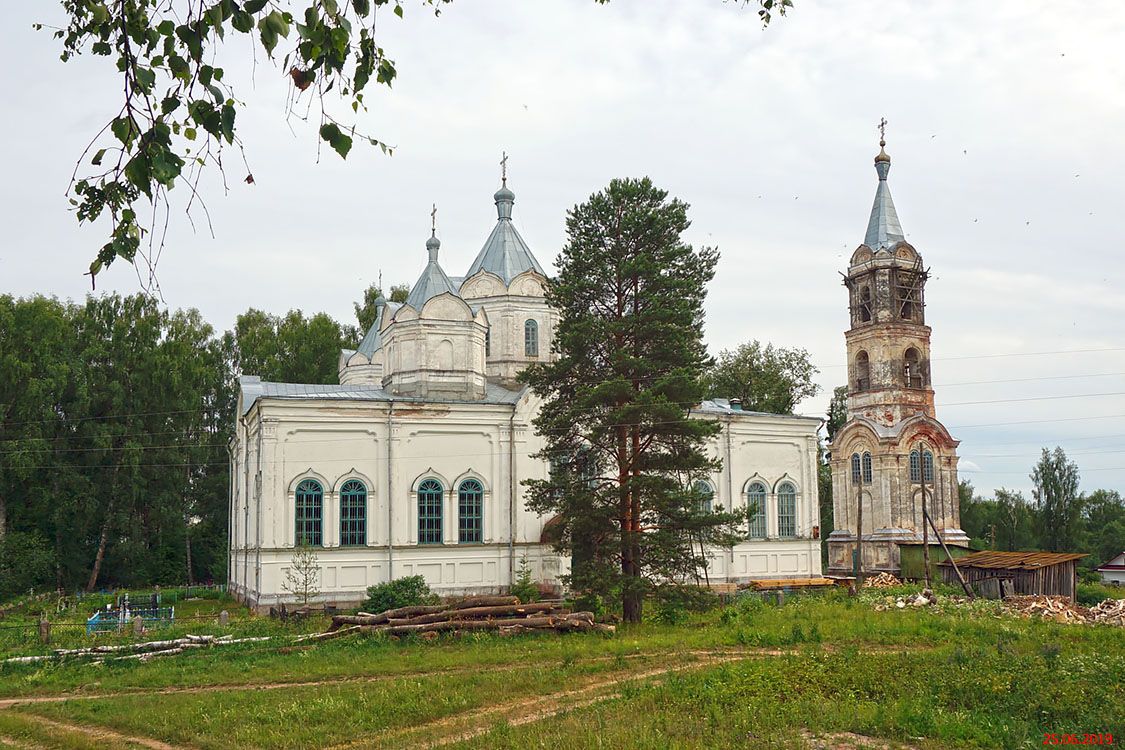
x=1057, y=608
x=139, y=651
x=1109, y=612
x=881, y=581
x=503, y=614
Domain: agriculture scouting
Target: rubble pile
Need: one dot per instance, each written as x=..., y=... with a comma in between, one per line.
x=1057, y=608
x=881, y=581
x=1109, y=612
x=924, y=598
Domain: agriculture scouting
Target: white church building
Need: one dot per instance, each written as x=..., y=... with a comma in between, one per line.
x=414, y=463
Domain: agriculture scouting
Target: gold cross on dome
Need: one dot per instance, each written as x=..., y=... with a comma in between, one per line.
x=882, y=128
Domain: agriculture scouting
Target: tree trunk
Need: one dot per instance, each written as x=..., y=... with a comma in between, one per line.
x=103, y=538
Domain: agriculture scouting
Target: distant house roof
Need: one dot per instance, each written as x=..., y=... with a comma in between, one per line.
x=1014, y=560
x=1117, y=562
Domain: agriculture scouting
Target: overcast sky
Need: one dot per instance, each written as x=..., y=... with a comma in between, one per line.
x=1006, y=132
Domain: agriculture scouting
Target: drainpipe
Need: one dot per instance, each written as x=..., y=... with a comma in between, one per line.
x=246, y=506
x=730, y=495
x=258, y=510
x=512, y=497
x=231, y=516
x=390, y=493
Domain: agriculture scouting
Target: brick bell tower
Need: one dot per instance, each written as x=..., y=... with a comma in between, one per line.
x=892, y=450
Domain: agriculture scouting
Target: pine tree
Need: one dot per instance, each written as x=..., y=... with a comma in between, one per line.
x=629, y=365
x=303, y=575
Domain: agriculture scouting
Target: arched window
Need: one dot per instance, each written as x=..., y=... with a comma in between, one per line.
x=531, y=338
x=310, y=512
x=756, y=507
x=928, y=467
x=706, y=495
x=470, y=512
x=862, y=371
x=865, y=304
x=915, y=466
x=912, y=369
x=787, y=511
x=353, y=514
x=867, y=468
x=429, y=512
x=855, y=468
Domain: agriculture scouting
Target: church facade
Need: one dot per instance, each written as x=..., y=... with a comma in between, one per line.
x=892, y=457
x=414, y=463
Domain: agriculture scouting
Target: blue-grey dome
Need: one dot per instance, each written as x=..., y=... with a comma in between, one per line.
x=505, y=254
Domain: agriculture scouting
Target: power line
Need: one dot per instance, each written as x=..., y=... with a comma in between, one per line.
x=1004, y=354
x=1034, y=421
x=1028, y=380
x=1033, y=398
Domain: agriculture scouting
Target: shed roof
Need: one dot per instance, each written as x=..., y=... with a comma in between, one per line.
x=1015, y=560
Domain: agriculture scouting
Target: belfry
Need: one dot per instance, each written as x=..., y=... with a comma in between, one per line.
x=892, y=452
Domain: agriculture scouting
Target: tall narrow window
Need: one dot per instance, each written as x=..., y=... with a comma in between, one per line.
x=862, y=371
x=706, y=495
x=912, y=369
x=855, y=468
x=470, y=512
x=867, y=475
x=915, y=466
x=531, y=338
x=309, y=512
x=756, y=506
x=865, y=304
x=353, y=514
x=430, y=497
x=488, y=341
x=928, y=467
x=787, y=511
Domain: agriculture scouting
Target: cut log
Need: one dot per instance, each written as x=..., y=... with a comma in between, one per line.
x=484, y=601
x=364, y=618
x=475, y=613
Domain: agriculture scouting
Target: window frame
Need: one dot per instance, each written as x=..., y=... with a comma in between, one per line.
x=353, y=520
x=308, y=513
x=531, y=337
x=759, y=516
x=476, y=496
x=431, y=492
x=787, y=496
x=868, y=470
x=703, y=487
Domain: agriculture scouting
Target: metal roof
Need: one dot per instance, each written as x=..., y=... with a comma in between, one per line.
x=253, y=389
x=722, y=406
x=883, y=228
x=433, y=280
x=505, y=253
x=1015, y=560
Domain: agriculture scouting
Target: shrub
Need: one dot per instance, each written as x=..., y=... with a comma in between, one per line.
x=524, y=587
x=1091, y=593
x=401, y=592
x=26, y=562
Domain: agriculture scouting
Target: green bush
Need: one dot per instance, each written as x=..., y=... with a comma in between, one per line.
x=401, y=592
x=26, y=562
x=1092, y=593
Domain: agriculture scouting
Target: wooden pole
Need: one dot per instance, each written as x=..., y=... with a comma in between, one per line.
x=961, y=578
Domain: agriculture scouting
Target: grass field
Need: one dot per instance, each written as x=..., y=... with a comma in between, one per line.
x=750, y=675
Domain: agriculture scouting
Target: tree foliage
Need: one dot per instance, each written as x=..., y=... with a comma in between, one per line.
x=365, y=308
x=615, y=415
x=1057, y=500
x=302, y=578
x=114, y=421
x=765, y=378
x=178, y=111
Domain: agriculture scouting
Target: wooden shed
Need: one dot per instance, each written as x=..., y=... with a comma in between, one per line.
x=1051, y=573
